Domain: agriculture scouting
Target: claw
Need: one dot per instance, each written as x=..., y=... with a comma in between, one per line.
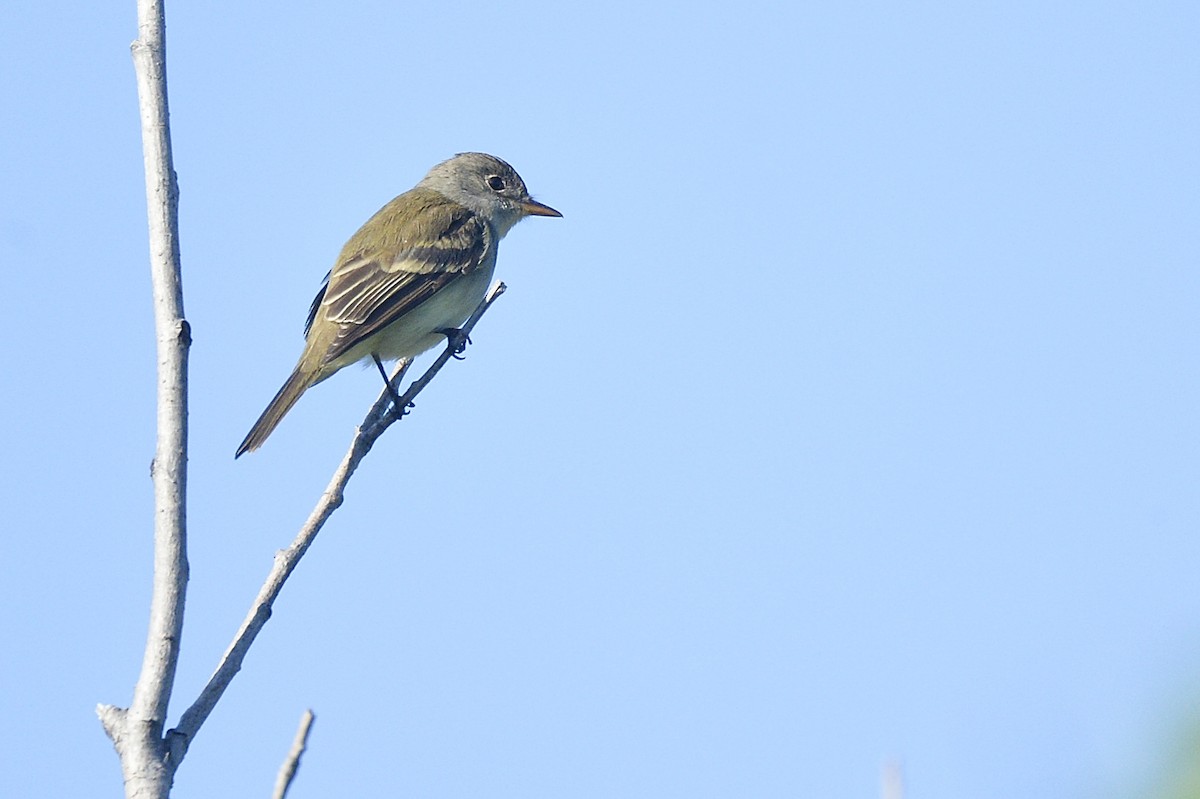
x=456, y=341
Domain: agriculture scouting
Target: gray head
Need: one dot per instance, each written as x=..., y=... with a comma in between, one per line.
x=488, y=186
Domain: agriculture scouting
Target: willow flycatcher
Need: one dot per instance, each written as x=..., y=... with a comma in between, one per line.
x=409, y=277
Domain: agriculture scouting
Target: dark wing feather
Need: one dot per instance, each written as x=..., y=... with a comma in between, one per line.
x=380, y=278
x=316, y=304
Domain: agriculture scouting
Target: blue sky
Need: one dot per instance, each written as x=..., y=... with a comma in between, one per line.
x=847, y=416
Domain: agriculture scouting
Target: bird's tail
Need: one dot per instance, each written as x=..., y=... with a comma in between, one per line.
x=295, y=385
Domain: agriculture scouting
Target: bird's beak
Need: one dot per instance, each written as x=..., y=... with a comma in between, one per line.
x=535, y=208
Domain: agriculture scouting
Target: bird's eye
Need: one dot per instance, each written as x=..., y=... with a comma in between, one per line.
x=496, y=182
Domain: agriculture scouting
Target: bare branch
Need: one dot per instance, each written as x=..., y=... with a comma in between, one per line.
x=378, y=419
x=137, y=732
x=148, y=759
x=287, y=772
x=169, y=470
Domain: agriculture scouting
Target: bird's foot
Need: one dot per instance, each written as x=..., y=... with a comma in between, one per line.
x=456, y=340
x=400, y=412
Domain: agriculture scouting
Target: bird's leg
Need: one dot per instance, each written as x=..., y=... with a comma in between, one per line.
x=455, y=340
x=387, y=381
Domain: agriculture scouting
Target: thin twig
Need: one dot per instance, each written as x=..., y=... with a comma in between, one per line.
x=378, y=419
x=287, y=772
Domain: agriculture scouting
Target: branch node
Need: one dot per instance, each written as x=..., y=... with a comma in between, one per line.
x=176, y=745
x=112, y=719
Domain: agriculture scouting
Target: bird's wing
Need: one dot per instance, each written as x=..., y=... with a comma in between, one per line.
x=372, y=286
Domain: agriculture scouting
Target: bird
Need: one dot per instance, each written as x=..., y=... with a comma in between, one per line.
x=409, y=277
